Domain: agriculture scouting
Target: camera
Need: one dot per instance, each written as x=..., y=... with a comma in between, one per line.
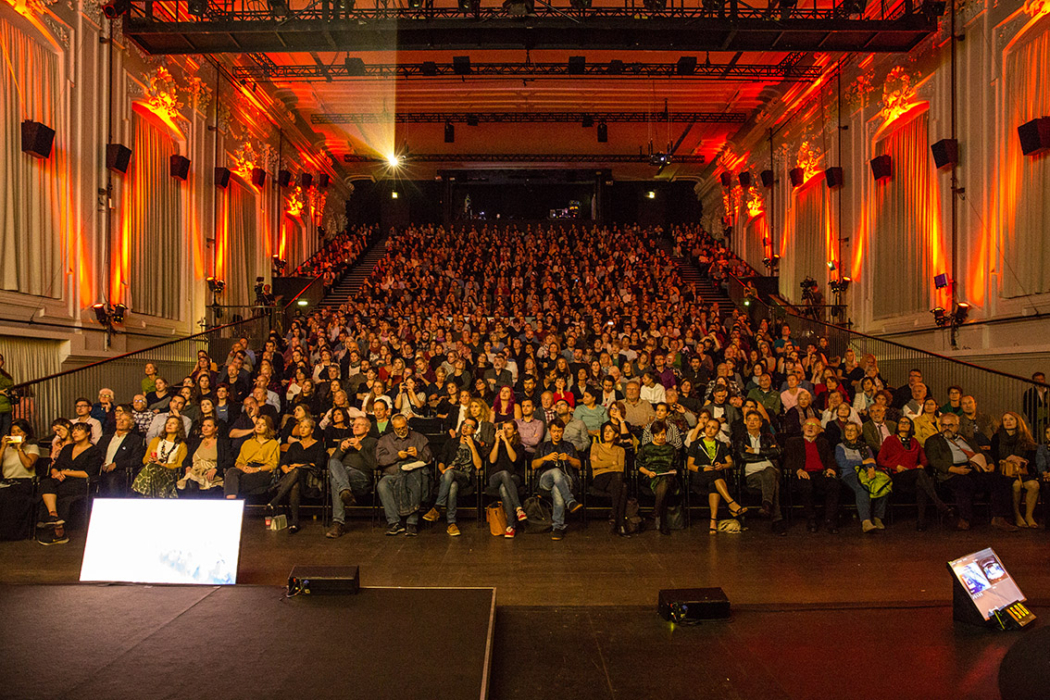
x=15, y=439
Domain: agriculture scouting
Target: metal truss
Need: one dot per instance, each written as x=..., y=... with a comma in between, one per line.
x=522, y=158
x=257, y=26
x=530, y=117
x=779, y=72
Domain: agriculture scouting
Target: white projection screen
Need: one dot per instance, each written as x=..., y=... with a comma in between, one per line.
x=163, y=541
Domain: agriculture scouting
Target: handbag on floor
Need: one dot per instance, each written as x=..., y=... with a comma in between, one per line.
x=497, y=518
x=632, y=518
x=538, y=514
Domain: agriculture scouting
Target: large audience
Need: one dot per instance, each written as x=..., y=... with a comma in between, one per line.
x=544, y=365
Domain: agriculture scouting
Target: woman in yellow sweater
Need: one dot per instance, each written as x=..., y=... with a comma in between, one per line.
x=607, y=461
x=256, y=461
x=926, y=424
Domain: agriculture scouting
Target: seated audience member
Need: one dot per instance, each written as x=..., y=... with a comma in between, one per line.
x=82, y=407
x=141, y=414
x=607, y=474
x=485, y=433
x=765, y=395
x=207, y=410
x=18, y=458
x=652, y=390
x=797, y=416
x=975, y=426
x=789, y=397
x=876, y=430
x=507, y=460
x=299, y=472
x=103, y=410
x=709, y=460
x=810, y=462
x=865, y=398
x=68, y=480
x=162, y=460
x=903, y=458
x=1013, y=452
x=574, y=430
x=122, y=452
x=638, y=413
x=913, y=408
x=530, y=428
x=457, y=468
x=758, y=453
x=148, y=382
x=265, y=408
x=925, y=425
x=375, y=394
x=856, y=468
x=590, y=412
x=835, y=429
x=954, y=404
x=382, y=424
x=722, y=410
x=210, y=456
x=960, y=465
x=561, y=391
x=831, y=413
x=256, y=461
x=340, y=428
x=291, y=425
x=160, y=420
x=401, y=491
x=551, y=464
x=657, y=463
x=157, y=400
x=350, y=471
x=1042, y=470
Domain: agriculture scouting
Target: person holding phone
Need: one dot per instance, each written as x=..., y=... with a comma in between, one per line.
x=457, y=467
x=18, y=457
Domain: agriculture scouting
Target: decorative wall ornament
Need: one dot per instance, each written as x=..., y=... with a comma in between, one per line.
x=808, y=159
x=163, y=93
x=858, y=90
x=897, y=94
x=755, y=206
x=295, y=202
x=199, y=94
x=57, y=29
x=245, y=158
x=1036, y=8
x=317, y=199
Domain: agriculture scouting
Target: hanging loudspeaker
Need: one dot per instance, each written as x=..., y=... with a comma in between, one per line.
x=284, y=178
x=179, y=166
x=767, y=178
x=945, y=152
x=744, y=178
x=258, y=177
x=37, y=139
x=833, y=177
x=798, y=176
x=323, y=180
x=1035, y=136
x=727, y=179
x=882, y=167
x=118, y=157
x=222, y=177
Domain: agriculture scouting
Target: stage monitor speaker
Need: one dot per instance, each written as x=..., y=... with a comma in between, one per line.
x=323, y=180
x=882, y=167
x=692, y=604
x=118, y=157
x=798, y=176
x=305, y=180
x=258, y=177
x=727, y=180
x=744, y=178
x=945, y=152
x=323, y=580
x=767, y=178
x=834, y=177
x=284, y=178
x=1035, y=136
x=37, y=139
x=179, y=166
x=222, y=177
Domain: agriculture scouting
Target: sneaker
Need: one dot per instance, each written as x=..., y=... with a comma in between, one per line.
x=337, y=530
x=453, y=530
x=573, y=506
x=432, y=515
x=411, y=530
x=521, y=515
x=878, y=524
x=57, y=539
x=509, y=533
x=347, y=497
x=51, y=521
x=558, y=533
x=395, y=530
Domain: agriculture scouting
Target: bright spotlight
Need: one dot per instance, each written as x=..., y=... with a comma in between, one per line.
x=393, y=160
x=651, y=194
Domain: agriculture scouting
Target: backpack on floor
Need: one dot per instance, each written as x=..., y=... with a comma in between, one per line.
x=632, y=517
x=538, y=514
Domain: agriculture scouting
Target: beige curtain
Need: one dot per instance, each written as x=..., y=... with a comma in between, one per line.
x=908, y=243
x=804, y=248
x=244, y=245
x=755, y=233
x=34, y=198
x=27, y=359
x=150, y=242
x=1026, y=185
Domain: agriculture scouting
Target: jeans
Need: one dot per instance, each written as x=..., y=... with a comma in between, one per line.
x=508, y=493
x=448, y=490
x=345, y=478
x=863, y=496
x=768, y=482
x=560, y=485
x=235, y=481
x=385, y=489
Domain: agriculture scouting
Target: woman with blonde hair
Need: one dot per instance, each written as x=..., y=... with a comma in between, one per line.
x=163, y=460
x=1014, y=454
x=480, y=411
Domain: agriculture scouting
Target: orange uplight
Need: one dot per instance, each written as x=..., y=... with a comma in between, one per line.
x=158, y=117
x=808, y=160
x=755, y=205
x=295, y=202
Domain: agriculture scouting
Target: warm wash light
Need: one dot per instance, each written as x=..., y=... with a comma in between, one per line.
x=393, y=160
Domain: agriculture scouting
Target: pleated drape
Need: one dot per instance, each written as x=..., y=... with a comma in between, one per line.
x=246, y=258
x=804, y=250
x=34, y=202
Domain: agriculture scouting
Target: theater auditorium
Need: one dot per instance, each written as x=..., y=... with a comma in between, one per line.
x=518, y=349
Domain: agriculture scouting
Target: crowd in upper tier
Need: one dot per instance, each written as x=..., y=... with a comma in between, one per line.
x=570, y=363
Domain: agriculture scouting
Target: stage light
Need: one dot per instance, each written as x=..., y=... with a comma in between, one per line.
x=940, y=281
x=102, y=314
x=651, y=194
x=831, y=265
x=655, y=5
x=577, y=65
x=393, y=160
x=852, y=7
x=118, y=313
x=415, y=4
x=840, y=285
x=580, y=4
x=303, y=302
x=216, y=285
x=686, y=65
x=197, y=8
x=787, y=7
x=603, y=132
x=588, y=121
x=393, y=195
x=343, y=8
x=450, y=131
x=472, y=120
x=934, y=8
x=466, y=5
x=279, y=8
x=355, y=67
x=116, y=8
x=461, y=65
x=615, y=67
x=962, y=312
x=429, y=68
x=519, y=8
x=939, y=317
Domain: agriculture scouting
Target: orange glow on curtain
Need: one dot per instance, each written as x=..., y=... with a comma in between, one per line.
x=902, y=116
x=284, y=240
x=222, y=236
x=159, y=118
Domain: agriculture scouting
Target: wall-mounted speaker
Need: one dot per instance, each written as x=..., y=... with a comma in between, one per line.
x=727, y=179
x=37, y=139
x=258, y=177
x=305, y=180
x=222, y=177
x=179, y=166
x=284, y=178
x=745, y=179
x=118, y=157
x=767, y=178
x=798, y=176
x=882, y=167
x=1035, y=136
x=323, y=180
x=833, y=177
x=945, y=152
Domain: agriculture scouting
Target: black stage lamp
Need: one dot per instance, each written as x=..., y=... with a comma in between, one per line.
x=197, y=8
x=450, y=131
x=686, y=65
x=461, y=65
x=429, y=68
x=603, y=132
x=115, y=9
x=355, y=67
x=577, y=65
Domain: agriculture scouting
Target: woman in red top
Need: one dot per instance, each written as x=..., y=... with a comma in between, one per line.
x=903, y=458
